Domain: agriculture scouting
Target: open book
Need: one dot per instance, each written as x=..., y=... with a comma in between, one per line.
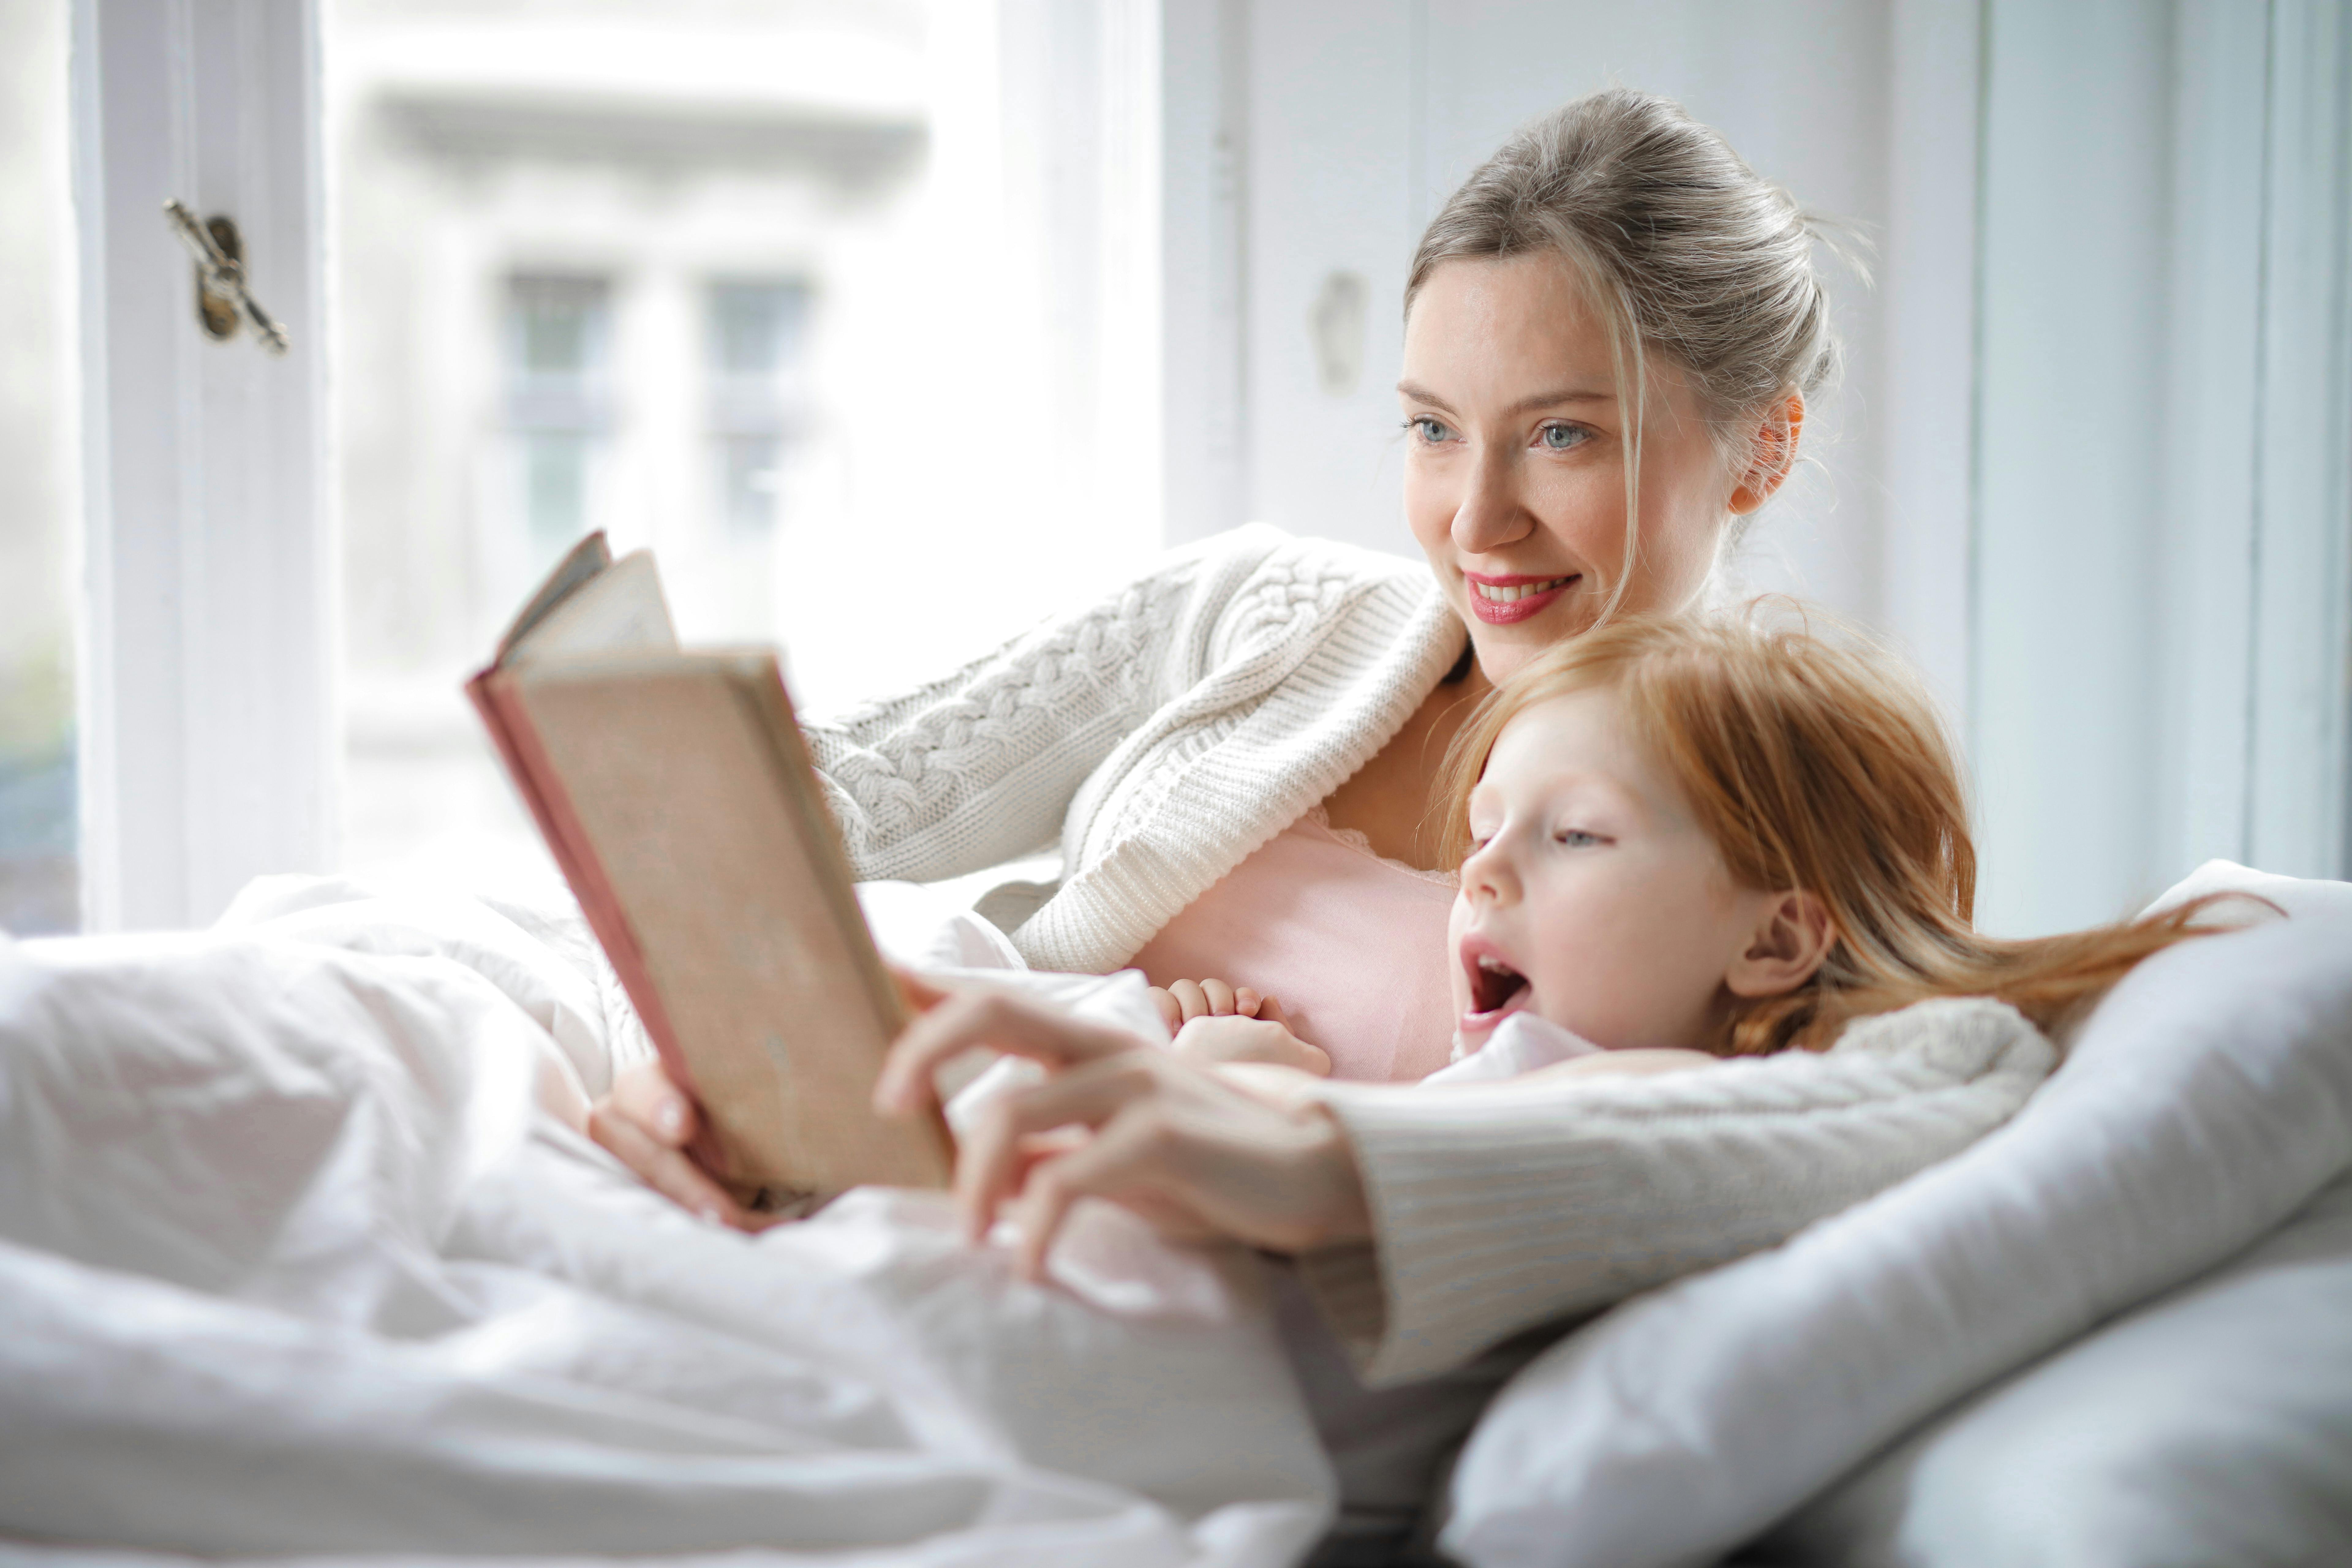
x=676, y=792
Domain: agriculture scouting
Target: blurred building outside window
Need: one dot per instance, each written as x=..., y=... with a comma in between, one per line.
x=39, y=889
x=768, y=287
x=755, y=340
x=558, y=340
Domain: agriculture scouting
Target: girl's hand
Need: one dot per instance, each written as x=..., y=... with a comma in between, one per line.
x=1170, y=1138
x=647, y=1123
x=1260, y=1039
x=1186, y=1000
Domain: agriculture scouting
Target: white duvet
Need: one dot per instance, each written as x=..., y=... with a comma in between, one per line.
x=296, y=1262
x=293, y=1261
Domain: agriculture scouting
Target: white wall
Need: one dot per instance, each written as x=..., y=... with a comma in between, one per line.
x=2089, y=464
x=1359, y=118
x=2165, y=430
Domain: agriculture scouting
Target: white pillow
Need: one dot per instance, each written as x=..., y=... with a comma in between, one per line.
x=2207, y=1099
x=2213, y=1425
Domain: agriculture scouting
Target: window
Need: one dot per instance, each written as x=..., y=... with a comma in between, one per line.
x=753, y=346
x=38, y=838
x=559, y=406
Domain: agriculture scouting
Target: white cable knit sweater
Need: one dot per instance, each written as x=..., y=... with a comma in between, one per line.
x=1167, y=733
x=1162, y=734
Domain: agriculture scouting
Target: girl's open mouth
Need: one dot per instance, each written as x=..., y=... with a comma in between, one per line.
x=1495, y=988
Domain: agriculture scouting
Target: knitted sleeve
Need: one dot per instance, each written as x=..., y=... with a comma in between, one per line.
x=1499, y=1206
x=980, y=767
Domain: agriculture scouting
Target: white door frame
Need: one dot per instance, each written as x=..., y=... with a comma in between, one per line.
x=209, y=648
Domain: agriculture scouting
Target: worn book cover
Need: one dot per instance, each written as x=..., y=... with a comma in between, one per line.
x=676, y=794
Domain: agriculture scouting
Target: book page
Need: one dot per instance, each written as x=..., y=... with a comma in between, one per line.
x=583, y=562
x=619, y=609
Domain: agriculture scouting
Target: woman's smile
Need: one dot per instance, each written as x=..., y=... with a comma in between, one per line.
x=1500, y=601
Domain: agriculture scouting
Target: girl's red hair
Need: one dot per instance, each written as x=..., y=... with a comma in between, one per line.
x=1820, y=765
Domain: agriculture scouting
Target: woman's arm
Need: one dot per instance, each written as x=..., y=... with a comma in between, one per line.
x=1434, y=1222
x=1495, y=1208
x=980, y=767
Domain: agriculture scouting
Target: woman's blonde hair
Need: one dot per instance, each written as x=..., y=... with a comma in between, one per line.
x=1684, y=253
x=1821, y=766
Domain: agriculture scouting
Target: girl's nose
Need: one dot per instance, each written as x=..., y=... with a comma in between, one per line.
x=1487, y=874
x=1491, y=514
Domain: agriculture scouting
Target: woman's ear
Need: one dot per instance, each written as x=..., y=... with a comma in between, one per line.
x=1792, y=936
x=1772, y=452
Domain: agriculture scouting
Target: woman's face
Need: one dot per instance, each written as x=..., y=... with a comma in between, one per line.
x=1515, y=450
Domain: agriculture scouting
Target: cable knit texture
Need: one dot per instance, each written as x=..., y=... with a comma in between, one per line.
x=1500, y=1207
x=1161, y=735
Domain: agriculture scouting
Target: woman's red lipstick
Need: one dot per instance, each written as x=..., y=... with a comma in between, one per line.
x=1534, y=593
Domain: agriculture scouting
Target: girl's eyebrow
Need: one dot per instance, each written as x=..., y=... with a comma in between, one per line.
x=1419, y=394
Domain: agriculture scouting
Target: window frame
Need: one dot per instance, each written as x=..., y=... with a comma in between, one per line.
x=209, y=646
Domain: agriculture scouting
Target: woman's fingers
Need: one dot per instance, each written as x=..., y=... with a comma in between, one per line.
x=1220, y=998
x=667, y=1169
x=997, y=1019
x=1172, y=1012
x=991, y=1160
x=645, y=1096
x=1114, y=1162
x=921, y=994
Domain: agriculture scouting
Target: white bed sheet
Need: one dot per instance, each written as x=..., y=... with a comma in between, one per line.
x=294, y=1261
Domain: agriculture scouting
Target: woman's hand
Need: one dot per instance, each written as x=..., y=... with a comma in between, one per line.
x=1170, y=1138
x=647, y=1123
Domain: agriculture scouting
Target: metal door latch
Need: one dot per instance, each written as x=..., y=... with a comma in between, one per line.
x=222, y=301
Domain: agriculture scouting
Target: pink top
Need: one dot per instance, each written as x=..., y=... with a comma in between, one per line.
x=1352, y=944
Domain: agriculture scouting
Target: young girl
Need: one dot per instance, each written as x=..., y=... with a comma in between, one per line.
x=1684, y=841
x=1689, y=841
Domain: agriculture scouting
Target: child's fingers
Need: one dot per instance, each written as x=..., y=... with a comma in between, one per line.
x=1172, y=1012
x=1220, y=998
x=1190, y=1000
x=1269, y=1010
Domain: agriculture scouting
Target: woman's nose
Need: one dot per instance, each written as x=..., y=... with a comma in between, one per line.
x=1492, y=514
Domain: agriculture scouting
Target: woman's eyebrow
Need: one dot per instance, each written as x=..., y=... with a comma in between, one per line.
x=1420, y=394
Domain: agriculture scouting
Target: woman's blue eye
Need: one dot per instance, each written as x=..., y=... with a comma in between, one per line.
x=1429, y=429
x=1563, y=437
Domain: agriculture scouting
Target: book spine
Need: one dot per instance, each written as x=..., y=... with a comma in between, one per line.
x=537, y=780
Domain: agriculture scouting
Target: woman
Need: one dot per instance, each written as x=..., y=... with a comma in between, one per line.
x=1611, y=329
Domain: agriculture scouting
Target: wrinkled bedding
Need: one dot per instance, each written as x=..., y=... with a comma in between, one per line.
x=300, y=1254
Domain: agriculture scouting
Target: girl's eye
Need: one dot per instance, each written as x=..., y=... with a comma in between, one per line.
x=1577, y=838
x=1428, y=430
x=1563, y=437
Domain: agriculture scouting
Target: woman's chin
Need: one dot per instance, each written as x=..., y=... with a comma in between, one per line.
x=1504, y=647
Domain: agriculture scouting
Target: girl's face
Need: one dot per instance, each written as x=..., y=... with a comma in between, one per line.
x=1515, y=451
x=1594, y=898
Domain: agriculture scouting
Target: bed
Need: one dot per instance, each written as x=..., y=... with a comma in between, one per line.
x=301, y=1257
